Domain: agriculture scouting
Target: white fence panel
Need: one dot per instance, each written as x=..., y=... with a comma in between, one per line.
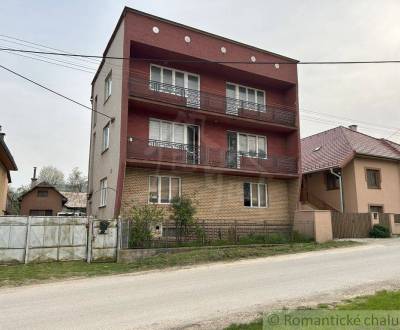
x=13, y=232
x=45, y=239
x=104, y=245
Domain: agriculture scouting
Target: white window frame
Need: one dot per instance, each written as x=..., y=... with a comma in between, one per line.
x=256, y=136
x=247, y=95
x=258, y=193
x=105, y=145
x=108, y=86
x=185, y=76
x=159, y=177
x=185, y=138
x=103, y=192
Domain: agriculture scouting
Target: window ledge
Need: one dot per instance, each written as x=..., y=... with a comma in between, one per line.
x=102, y=206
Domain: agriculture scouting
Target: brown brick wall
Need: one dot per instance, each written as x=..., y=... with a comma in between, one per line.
x=218, y=197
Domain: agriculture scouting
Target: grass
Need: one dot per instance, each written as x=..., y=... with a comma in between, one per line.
x=32, y=273
x=383, y=300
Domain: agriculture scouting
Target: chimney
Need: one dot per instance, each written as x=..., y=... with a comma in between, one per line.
x=34, y=179
x=354, y=128
x=1, y=133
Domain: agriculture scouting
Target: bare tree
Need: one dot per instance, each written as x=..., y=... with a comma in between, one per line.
x=76, y=180
x=52, y=175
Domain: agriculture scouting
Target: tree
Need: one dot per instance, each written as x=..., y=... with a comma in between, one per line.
x=183, y=212
x=76, y=180
x=52, y=175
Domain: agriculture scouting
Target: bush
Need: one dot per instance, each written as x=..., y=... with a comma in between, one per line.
x=143, y=220
x=183, y=212
x=379, y=231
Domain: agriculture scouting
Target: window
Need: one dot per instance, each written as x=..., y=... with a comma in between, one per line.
x=95, y=111
x=373, y=177
x=376, y=210
x=108, y=86
x=168, y=80
x=103, y=192
x=162, y=189
x=175, y=134
x=332, y=181
x=252, y=145
x=249, y=98
x=255, y=194
x=42, y=193
x=106, y=137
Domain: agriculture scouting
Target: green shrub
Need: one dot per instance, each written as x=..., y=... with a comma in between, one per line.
x=379, y=231
x=183, y=212
x=143, y=220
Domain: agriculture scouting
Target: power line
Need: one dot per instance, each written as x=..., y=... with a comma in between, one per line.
x=43, y=46
x=54, y=92
x=204, y=61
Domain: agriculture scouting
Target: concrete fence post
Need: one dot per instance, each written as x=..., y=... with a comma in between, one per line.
x=119, y=236
x=27, y=239
x=89, y=240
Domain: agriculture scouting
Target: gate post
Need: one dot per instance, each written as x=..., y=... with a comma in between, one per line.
x=89, y=240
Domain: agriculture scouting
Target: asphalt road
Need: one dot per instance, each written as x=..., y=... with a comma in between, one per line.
x=205, y=296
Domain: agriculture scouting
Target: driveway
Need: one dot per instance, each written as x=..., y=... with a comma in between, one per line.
x=206, y=296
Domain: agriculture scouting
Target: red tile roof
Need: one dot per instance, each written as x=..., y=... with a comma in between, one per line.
x=335, y=147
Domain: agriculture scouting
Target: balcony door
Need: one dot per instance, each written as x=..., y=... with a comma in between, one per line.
x=232, y=154
x=180, y=83
x=192, y=148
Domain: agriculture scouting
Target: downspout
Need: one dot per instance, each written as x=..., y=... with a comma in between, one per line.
x=339, y=176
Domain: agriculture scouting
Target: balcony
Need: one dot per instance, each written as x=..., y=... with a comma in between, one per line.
x=198, y=157
x=194, y=100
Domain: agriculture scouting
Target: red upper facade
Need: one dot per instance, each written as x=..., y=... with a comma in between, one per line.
x=190, y=107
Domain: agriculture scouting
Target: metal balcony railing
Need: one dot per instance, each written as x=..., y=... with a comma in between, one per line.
x=178, y=153
x=193, y=99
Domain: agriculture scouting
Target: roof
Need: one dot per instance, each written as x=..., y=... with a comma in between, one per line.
x=132, y=10
x=6, y=158
x=334, y=148
x=76, y=200
x=43, y=185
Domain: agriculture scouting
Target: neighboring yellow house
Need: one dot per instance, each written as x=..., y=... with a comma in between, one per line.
x=349, y=171
x=7, y=164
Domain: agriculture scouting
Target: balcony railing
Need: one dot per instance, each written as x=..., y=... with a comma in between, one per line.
x=194, y=100
x=178, y=153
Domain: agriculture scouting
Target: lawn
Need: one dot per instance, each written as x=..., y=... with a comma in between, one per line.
x=32, y=273
x=384, y=300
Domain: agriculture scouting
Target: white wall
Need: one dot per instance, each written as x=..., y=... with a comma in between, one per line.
x=106, y=164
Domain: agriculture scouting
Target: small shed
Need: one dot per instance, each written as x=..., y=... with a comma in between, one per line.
x=43, y=199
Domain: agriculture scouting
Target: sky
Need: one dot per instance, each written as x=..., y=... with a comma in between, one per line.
x=42, y=129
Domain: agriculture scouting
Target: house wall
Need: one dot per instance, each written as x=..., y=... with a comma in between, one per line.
x=212, y=134
x=388, y=195
x=31, y=201
x=204, y=46
x=106, y=164
x=3, y=189
x=217, y=197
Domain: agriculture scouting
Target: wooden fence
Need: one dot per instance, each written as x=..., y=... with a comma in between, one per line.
x=351, y=225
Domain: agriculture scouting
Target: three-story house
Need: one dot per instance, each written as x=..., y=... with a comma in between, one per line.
x=188, y=119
